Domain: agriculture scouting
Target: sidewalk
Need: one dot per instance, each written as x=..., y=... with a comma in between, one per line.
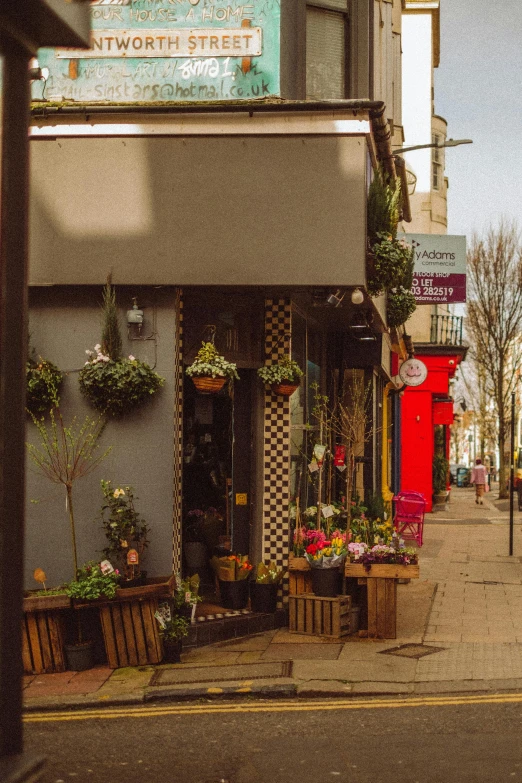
x=461, y=622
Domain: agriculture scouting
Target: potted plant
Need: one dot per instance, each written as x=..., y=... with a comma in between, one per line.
x=233, y=572
x=440, y=478
x=93, y=581
x=173, y=628
x=43, y=384
x=264, y=587
x=185, y=596
x=66, y=454
x=325, y=557
x=283, y=377
x=126, y=533
x=209, y=370
x=113, y=384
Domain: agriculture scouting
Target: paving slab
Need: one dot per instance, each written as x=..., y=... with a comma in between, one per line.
x=181, y=674
x=298, y=652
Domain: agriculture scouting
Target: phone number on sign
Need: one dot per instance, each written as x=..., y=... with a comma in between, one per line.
x=431, y=291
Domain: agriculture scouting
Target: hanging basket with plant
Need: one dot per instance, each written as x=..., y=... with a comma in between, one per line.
x=43, y=384
x=210, y=371
x=400, y=306
x=115, y=385
x=284, y=377
x=391, y=260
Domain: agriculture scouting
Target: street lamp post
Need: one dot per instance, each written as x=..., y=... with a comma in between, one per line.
x=434, y=145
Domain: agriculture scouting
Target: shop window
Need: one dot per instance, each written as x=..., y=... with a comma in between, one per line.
x=437, y=162
x=326, y=51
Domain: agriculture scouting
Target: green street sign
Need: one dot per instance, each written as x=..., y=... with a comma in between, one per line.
x=169, y=50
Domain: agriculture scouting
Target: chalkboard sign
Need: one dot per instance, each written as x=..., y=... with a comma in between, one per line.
x=169, y=50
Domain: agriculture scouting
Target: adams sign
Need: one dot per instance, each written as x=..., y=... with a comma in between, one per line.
x=169, y=50
x=439, y=273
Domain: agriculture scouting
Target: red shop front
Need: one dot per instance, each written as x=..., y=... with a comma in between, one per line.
x=427, y=409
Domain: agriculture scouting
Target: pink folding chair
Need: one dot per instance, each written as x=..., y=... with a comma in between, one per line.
x=408, y=520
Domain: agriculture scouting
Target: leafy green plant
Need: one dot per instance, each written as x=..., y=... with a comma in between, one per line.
x=111, y=342
x=209, y=363
x=400, y=306
x=175, y=628
x=116, y=388
x=91, y=583
x=383, y=207
x=392, y=262
x=285, y=369
x=124, y=528
x=43, y=384
x=440, y=473
x=66, y=454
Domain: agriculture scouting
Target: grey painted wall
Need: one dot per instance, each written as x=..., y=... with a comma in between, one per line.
x=64, y=322
x=199, y=211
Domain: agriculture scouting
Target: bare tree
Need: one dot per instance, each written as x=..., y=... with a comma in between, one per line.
x=494, y=319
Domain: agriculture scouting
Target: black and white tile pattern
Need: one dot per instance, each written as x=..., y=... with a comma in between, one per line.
x=178, y=435
x=276, y=448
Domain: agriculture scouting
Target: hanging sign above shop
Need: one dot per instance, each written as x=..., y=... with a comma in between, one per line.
x=413, y=372
x=439, y=273
x=169, y=50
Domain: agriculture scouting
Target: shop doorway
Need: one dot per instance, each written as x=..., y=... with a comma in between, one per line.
x=218, y=450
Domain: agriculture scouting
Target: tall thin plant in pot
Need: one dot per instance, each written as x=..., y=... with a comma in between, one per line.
x=67, y=453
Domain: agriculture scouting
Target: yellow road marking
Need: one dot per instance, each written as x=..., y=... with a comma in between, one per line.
x=140, y=711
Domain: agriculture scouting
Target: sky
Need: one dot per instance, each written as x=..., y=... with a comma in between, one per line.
x=478, y=90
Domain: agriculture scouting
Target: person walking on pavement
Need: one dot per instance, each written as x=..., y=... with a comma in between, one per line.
x=479, y=477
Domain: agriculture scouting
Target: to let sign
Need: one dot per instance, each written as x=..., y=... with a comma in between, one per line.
x=439, y=273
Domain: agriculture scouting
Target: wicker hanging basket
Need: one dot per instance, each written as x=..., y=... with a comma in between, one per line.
x=208, y=385
x=284, y=389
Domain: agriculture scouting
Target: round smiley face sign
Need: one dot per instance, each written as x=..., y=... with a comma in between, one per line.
x=413, y=372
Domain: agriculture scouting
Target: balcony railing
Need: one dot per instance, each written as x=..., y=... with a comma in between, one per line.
x=446, y=330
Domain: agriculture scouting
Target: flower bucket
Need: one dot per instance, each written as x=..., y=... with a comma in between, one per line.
x=284, y=389
x=80, y=657
x=172, y=650
x=326, y=582
x=234, y=595
x=263, y=597
x=208, y=385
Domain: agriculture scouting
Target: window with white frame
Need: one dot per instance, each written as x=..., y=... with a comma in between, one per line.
x=326, y=50
x=437, y=162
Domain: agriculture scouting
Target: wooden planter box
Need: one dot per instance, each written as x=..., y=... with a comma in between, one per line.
x=382, y=570
x=381, y=582
x=130, y=630
x=311, y=614
x=43, y=633
x=299, y=575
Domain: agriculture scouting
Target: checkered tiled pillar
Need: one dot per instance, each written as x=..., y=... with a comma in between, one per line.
x=276, y=447
x=178, y=433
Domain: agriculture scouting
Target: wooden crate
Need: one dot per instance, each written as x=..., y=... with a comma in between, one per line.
x=299, y=575
x=312, y=614
x=43, y=636
x=382, y=570
x=131, y=632
x=381, y=582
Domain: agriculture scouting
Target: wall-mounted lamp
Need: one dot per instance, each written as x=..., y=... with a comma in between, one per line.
x=336, y=299
x=357, y=296
x=135, y=316
x=36, y=73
